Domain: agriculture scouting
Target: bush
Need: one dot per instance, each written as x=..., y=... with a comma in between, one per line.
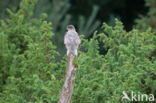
x=149, y=20
x=129, y=65
x=28, y=67
x=30, y=72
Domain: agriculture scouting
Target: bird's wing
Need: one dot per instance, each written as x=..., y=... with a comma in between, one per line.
x=66, y=40
x=78, y=41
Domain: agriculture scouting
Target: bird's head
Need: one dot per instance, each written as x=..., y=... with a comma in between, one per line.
x=70, y=27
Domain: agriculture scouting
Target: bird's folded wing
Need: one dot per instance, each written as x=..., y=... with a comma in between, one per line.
x=66, y=39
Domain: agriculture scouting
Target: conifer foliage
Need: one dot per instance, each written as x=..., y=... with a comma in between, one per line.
x=149, y=20
x=127, y=66
x=27, y=58
x=31, y=73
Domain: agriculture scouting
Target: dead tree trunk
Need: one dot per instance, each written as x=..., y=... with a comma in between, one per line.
x=68, y=85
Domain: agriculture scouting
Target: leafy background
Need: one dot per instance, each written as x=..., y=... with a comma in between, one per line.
x=118, y=55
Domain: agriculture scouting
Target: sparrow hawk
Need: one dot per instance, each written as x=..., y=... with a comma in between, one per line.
x=71, y=40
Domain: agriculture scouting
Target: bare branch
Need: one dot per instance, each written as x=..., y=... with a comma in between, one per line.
x=68, y=85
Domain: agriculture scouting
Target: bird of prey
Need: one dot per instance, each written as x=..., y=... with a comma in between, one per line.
x=71, y=40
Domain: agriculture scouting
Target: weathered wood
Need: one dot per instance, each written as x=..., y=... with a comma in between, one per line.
x=68, y=85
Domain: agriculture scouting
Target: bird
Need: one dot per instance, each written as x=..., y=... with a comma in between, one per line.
x=72, y=40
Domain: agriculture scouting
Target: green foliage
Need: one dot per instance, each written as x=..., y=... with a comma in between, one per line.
x=148, y=21
x=87, y=27
x=30, y=72
x=12, y=4
x=58, y=14
x=127, y=66
x=28, y=64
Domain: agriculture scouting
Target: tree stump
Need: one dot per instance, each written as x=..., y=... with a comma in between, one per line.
x=68, y=85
